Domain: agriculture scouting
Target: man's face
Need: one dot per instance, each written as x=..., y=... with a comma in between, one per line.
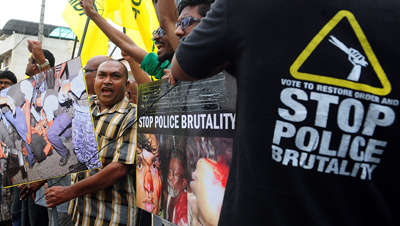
x=131, y=92
x=110, y=83
x=91, y=70
x=90, y=74
x=187, y=11
x=5, y=83
x=176, y=183
x=165, y=50
x=148, y=177
x=31, y=68
x=205, y=201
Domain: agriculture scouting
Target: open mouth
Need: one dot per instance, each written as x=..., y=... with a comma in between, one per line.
x=160, y=46
x=107, y=91
x=149, y=206
x=194, y=177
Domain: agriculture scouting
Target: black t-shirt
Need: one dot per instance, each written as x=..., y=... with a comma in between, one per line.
x=317, y=132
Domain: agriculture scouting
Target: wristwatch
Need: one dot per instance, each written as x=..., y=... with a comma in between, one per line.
x=41, y=66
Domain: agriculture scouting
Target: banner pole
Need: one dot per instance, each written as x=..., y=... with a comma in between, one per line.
x=112, y=52
x=73, y=50
x=115, y=47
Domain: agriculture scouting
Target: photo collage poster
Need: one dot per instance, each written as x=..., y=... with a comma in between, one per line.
x=184, y=148
x=41, y=131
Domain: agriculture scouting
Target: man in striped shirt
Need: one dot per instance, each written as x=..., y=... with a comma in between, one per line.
x=106, y=196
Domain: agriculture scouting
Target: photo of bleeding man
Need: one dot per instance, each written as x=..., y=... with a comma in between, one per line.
x=209, y=160
x=182, y=179
x=175, y=179
x=148, y=173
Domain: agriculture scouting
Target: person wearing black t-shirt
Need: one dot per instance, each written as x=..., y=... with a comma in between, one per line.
x=316, y=132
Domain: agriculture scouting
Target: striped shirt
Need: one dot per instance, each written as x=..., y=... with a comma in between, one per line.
x=114, y=205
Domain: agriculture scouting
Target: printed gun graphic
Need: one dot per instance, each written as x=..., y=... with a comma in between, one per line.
x=355, y=57
x=345, y=49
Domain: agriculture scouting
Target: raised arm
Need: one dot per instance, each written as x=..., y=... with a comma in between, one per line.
x=168, y=17
x=117, y=37
x=139, y=75
x=36, y=49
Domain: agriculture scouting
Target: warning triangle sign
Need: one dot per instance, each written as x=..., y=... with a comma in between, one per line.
x=354, y=56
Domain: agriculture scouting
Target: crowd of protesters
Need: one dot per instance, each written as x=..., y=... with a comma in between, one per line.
x=302, y=152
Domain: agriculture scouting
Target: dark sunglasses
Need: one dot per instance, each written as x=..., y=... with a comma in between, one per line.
x=159, y=31
x=88, y=70
x=186, y=22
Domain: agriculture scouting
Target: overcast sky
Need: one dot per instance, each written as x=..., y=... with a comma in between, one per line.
x=29, y=10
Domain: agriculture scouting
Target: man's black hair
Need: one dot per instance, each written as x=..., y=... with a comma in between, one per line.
x=8, y=75
x=204, y=6
x=48, y=55
x=145, y=143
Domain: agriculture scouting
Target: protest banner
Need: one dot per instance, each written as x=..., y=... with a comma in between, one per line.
x=184, y=148
x=37, y=117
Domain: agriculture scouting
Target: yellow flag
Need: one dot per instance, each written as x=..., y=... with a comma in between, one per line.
x=137, y=38
x=120, y=12
x=138, y=16
x=96, y=42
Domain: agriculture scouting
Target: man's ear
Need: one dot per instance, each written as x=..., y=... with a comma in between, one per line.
x=127, y=85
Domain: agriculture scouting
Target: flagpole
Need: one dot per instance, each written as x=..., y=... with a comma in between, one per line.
x=115, y=47
x=112, y=52
x=83, y=36
x=73, y=50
